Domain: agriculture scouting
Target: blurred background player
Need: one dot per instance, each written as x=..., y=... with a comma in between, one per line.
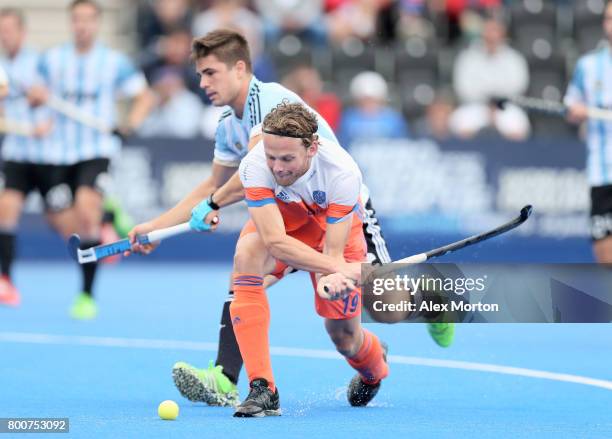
x=591, y=86
x=222, y=58
x=89, y=75
x=25, y=166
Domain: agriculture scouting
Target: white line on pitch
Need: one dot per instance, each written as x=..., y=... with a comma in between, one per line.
x=145, y=343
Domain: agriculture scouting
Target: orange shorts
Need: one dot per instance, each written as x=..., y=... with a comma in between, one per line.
x=355, y=251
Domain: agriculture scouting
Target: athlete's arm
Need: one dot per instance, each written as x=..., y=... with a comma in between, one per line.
x=575, y=96
x=231, y=192
x=336, y=238
x=142, y=105
x=577, y=113
x=271, y=228
x=182, y=211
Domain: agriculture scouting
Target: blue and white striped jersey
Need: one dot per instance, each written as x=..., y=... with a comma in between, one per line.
x=21, y=73
x=232, y=137
x=592, y=86
x=92, y=81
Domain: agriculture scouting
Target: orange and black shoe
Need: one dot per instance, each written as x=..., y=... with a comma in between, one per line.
x=9, y=295
x=260, y=402
x=359, y=393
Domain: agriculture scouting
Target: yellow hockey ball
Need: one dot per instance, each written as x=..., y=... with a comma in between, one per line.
x=168, y=410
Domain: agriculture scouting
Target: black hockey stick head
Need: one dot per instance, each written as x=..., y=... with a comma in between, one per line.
x=499, y=102
x=74, y=245
x=526, y=212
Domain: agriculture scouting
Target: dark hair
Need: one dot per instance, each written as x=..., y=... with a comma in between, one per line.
x=229, y=46
x=93, y=3
x=292, y=120
x=13, y=12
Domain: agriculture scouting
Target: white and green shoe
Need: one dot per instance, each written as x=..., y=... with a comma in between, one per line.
x=84, y=308
x=210, y=385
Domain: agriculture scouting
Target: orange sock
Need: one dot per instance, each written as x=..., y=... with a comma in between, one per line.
x=251, y=319
x=369, y=360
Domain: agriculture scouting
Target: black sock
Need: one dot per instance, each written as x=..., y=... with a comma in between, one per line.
x=7, y=252
x=228, y=354
x=89, y=270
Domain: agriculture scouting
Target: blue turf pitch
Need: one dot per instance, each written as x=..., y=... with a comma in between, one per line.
x=109, y=375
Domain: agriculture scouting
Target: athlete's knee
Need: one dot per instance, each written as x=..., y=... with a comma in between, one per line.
x=345, y=339
x=245, y=261
x=603, y=250
x=250, y=256
x=88, y=210
x=11, y=203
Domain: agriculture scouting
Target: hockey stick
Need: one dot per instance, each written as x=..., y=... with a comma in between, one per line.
x=98, y=252
x=72, y=111
x=475, y=239
x=551, y=107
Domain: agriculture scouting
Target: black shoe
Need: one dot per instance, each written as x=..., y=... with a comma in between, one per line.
x=260, y=402
x=359, y=394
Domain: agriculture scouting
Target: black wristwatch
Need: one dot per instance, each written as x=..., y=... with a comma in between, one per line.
x=212, y=204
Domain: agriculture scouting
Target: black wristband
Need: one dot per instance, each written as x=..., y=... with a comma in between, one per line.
x=212, y=204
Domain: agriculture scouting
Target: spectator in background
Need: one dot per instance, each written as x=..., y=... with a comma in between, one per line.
x=413, y=20
x=158, y=18
x=435, y=124
x=489, y=68
x=370, y=117
x=462, y=16
x=306, y=82
x=231, y=14
x=354, y=19
x=234, y=15
x=303, y=19
x=178, y=111
x=174, y=50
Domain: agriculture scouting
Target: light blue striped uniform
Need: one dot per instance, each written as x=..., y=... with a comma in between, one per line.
x=232, y=136
x=21, y=72
x=92, y=81
x=592, y=86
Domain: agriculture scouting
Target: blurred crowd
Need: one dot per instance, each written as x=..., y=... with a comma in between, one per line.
x=378, y=68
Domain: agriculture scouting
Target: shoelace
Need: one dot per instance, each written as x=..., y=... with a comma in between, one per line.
x=256, y=391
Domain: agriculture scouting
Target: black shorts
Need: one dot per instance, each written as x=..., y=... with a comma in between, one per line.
x=601, y=212
x=57, y=184
x=377, y=247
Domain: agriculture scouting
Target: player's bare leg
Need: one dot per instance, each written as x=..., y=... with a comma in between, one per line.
x=64, y=222
x=364, y=352
x=88, y=211
x=11, y=205
x=603, y=250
